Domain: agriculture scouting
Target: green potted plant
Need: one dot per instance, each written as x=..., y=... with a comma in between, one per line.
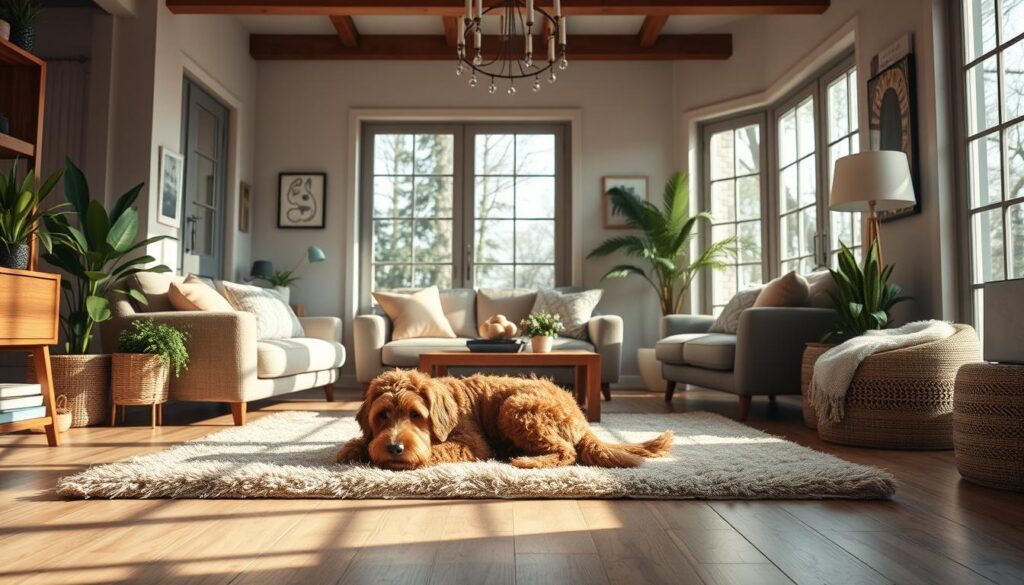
x=22, y=16
x=663, y=247
x=542, y=329
x=147, y=354
x=93, y=258
x=863, y=300
x=282, y=280
x=22, y=214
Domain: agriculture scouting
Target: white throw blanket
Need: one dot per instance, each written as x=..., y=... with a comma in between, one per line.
x=834, y=370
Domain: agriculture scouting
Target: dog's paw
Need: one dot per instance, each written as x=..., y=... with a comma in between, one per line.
x=353, y=452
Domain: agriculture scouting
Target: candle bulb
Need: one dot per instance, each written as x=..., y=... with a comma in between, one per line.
x=558, y=8
x=478, y=39
x=461, y=39
x=529, y=14
x=529, y=44
x=469, y=9
x=479, y=8
x=561, y=31
x=551, y=49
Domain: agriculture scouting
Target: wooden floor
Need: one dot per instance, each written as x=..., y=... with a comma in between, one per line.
x=938, y=529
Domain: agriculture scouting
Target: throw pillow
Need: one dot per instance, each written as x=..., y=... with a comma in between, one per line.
x=729, y=320
x=576, y=309
x=788, y=290
x=514, y=303
x=196, y=295
x=274, y=318
x=418, y=314
x=821, y=283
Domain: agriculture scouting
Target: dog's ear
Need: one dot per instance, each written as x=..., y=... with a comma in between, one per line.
x=444, y=412
x=363, y=414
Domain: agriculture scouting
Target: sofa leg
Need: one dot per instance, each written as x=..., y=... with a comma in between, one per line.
x=670, y=389
x=744, y=408
x=329, y=393
x=238, y=413
x=606, y=389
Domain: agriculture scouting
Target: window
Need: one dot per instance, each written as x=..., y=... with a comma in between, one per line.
x=798, y=186
x=735, y=187
x=992, y=75
x=843, y=140
x=464, y=206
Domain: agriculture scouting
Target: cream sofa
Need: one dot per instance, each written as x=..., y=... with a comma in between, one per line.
x=226, y=362
x=376, y=352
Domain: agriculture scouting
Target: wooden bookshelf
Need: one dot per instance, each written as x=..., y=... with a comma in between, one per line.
x=29, y=321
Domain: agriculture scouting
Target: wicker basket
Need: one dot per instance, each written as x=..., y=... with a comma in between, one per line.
x=85, y=381
x=139, y=379
x=903, y=399
x=811, y=355
x=988, y=425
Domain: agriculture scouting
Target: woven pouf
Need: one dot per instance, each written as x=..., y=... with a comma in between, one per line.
x=988, y=425
x=812, y=352
x=903, y=399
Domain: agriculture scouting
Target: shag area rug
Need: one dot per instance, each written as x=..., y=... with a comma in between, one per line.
x=290, y=455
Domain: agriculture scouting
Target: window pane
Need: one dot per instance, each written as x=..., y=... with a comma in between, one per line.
x=435, y=154
x=535, y=197
x=392, y=197
x=985, y=174
x=535, y=154
x=392, y=154
x=491, y=276
x=439, y=275
x=722, y=232
x=808, y=183
x=836, y=152
x=787, y=138
x=842, y=229
x=1013, y=78
x=805, y=127
x=749, y=234
x=494, y=241
x=987, y=228
x=748, y=195
x=723, y=204
x=1014, y=147
x=979, y=27
x=722, y=155
x=433, y=240
x=789, y=197
x=790, y=236
x=982, y=96
x=1015, y=219
x=389, y=276
x=1013, y=19
x=535, y=276
x=808, y=227
x=495, y=154
x=392, y=240
x=723, y=285
x=853, y=100
x=790, y=265
x=748, y=150
x=535, y=241
x=434, y=196
x=495, y=197
x=750, y=275
x=838, y=109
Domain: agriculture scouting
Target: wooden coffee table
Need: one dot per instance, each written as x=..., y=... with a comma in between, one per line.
x=585, y=364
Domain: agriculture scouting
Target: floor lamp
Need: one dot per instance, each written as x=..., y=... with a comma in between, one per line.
x=870, y=182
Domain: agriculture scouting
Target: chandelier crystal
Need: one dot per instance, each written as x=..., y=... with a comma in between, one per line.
x=509, y=55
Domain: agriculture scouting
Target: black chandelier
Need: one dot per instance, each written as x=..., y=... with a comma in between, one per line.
x=509, y=55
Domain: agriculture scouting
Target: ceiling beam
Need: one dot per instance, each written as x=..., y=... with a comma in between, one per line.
x=435, y=47
x=457, y=7
x=650, y=30
x=451, y=30
x=346, y=29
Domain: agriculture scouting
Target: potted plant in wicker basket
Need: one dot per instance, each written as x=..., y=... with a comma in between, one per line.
x=542, y=328
x=148, y=353
x=863, y=299
x=93, y=258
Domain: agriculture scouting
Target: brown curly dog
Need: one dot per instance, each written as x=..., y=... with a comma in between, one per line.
x=411, y=420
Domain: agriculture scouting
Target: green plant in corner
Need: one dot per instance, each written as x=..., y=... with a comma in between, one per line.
x=664, y=242
x=21, y=209
x=23, y=15
x=863, y=298
x=166, y=341
x=542, y=325
x=95, y=257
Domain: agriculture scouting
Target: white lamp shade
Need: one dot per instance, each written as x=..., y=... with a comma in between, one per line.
x=881, y=176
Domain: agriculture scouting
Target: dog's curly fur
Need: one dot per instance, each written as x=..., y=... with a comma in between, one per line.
x=411, y=420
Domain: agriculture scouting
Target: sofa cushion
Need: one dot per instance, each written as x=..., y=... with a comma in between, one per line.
x=274, y=318
x=415, y=315
x=514, y=303
x=714, y=351
x=575, y=309
x=729, y=320
x=820, y=283
x=196, y=295
x=788, y=290
x=276, y=358
x=670, y=349
x=405, y=353
x=155, y=287
x=459, y=307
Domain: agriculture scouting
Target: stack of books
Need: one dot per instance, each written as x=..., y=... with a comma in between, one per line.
x=21, y=402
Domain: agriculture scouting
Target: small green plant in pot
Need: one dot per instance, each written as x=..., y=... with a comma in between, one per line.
x=149, y=353
x=542, y=328
x=22, y=215
x=863, y=298
x=22, y=15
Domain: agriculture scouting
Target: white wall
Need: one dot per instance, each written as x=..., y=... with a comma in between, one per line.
x=303, y=109
x=769, y=51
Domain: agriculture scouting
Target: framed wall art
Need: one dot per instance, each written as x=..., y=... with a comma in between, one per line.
x=634, y=184
x=301, y=199
x=892, y=121
x=171, y=188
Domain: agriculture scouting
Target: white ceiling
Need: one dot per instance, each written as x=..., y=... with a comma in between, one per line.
x=417, y=25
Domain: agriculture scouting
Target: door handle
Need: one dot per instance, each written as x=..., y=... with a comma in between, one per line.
x=191, y=221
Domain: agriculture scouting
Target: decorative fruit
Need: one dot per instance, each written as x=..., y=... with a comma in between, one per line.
x=498, y=327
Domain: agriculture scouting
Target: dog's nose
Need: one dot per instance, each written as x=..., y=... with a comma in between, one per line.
x=396, y=448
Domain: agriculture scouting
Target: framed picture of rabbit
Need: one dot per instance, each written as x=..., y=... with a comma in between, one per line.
x=301, y=200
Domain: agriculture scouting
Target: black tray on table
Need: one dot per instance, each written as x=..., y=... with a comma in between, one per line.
x=496, y=345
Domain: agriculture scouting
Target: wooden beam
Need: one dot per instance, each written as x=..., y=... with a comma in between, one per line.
x=651, y=30
x=451, y=30
x=435, y=47
x=457, y=7
x=346, y=28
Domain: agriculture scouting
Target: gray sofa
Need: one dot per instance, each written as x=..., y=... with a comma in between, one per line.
x=376, y=352
x=762, y=358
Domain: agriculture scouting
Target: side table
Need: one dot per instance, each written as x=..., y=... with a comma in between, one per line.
x=988, y=424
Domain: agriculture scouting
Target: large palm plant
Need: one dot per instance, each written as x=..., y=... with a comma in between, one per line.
x=664, y=242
